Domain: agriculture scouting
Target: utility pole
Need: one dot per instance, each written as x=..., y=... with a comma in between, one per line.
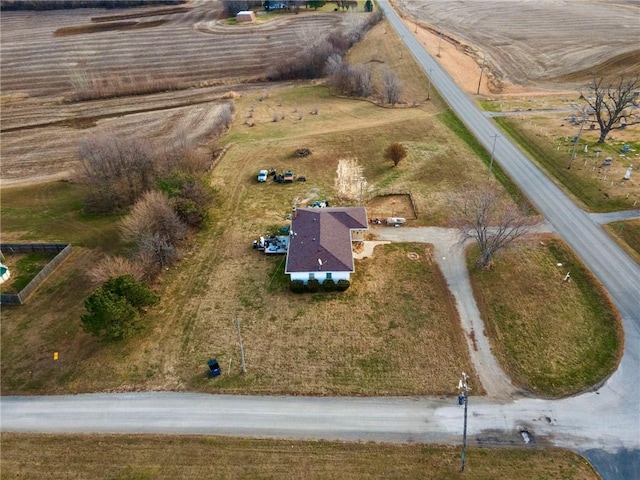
x=575, y=144
x=236, y=321
x=429, y=85
x=493, y=149
x=484, y=60
x=464, y=388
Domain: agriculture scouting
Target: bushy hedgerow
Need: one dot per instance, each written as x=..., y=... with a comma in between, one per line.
x=329, y=285
x=297, y=286
x=313, y=286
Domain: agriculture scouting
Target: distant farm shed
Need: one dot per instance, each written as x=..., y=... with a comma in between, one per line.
x=245, y=16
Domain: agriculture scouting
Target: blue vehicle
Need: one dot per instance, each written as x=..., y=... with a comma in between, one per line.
x=214, y=367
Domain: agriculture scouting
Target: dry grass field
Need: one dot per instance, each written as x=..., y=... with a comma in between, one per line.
x=628, y=234
x=184, y=53
x=322, y=344
x=394, y=332
x=570, y=324
x=581, y=167
x=154, y=457
x=378, y=338
x=541, y=65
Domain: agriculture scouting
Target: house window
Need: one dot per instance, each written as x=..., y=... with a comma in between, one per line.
x=312, y=276
x=328, y=275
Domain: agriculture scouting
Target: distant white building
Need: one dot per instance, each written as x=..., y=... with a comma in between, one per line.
x=245, y=16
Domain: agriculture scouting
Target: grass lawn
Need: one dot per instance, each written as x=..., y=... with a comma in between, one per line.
x=554, y=338
x=155, y=457
x=628, y=233
x=23, y=268
x=52, y=212
x=50, y=320
x=394, y=332
x=599, y=188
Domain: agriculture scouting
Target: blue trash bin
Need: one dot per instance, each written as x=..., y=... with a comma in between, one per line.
x=214, y=367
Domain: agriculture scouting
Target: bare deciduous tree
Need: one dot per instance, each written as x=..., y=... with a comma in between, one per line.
x=156, y=252
x=152, y=214
x=492, y=223
x=395, y=152
x=117, y=169
x=391, y=87
x=355, y=26
x=156, y=230
x=612, y=100
x=363, y=81
x=346, y=79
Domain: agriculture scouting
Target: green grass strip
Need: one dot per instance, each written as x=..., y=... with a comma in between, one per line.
x=451, y=121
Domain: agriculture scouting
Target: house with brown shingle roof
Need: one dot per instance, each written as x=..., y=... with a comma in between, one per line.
x=320, y=243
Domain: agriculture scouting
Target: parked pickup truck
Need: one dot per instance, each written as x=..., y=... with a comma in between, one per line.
x=288, y=176
x=262, y=175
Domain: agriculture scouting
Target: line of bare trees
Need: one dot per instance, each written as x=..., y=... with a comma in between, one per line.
x=165, y=186
x=357, y=80
x=311, y=59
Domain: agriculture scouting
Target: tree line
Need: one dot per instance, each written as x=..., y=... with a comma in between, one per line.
x=164, y=193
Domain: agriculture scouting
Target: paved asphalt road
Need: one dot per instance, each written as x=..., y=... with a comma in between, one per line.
x=603, y=424
x=614, y=268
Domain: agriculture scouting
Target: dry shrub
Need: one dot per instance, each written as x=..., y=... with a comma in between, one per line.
x=115, y=266
x=347, y=79
x=150, y=215
x=118, y=170
x=156, y=230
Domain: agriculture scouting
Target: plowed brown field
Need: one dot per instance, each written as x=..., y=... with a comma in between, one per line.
x=182, y=48
x=534, y=43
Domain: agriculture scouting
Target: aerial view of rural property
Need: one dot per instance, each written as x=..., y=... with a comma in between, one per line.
x=313, y=239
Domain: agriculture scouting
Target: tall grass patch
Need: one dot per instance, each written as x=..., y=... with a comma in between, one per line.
x=553, y=336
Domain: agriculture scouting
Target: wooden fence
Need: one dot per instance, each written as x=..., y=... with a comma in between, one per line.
x=62, y=251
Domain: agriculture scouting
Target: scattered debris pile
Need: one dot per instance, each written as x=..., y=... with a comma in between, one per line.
x=302, y=152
